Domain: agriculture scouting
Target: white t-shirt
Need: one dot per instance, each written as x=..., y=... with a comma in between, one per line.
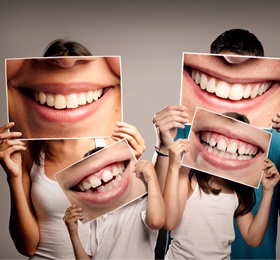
x=122, y=234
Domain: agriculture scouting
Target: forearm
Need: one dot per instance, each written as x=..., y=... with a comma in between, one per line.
x=155, y=214
x=23, y=224
x=78, y=248
x=161, y=166
x=258, y=226
x=172, y=200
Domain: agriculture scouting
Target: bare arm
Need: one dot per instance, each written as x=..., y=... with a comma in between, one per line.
x=71, y=217
x=155, y=213
x=166, y=123
x=23, y=224
x=253, y=229
x=177, y=185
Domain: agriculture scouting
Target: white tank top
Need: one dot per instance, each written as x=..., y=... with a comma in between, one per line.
x=206, y=230
x=50, y=203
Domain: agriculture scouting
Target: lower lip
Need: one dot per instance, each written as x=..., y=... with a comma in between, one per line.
x=108, y=196
x=67, y=115
x=222, y=163
x=222, y=105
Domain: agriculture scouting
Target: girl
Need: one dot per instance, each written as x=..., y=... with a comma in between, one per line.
x=200, y=209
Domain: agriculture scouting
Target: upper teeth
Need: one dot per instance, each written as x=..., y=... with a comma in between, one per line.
x=60, y=101
x=227, y=148
x=223, y=89
x=107, y=175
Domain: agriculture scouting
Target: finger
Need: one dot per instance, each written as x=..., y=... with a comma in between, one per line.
x=6, y=127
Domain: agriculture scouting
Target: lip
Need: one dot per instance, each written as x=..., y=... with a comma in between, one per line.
x=221, y=104
x=70, y=115
x=222, y=162
x=102, y=198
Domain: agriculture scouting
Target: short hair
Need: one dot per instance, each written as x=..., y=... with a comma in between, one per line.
x=64, y=47
x=239, y=41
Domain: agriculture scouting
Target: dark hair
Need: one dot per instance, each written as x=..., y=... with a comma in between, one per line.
x=239, y=41
x=58, y=47
x=63, y=47
x=246, y=195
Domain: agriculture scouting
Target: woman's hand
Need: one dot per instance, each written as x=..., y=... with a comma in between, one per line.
x=276, y=122
x=133, y=137
x=71, y=217
x=10, y=147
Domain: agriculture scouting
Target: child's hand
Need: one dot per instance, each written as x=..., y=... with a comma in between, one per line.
x=71, y=217
x=270, y=176
x=133, y=137
x=276, y=122
x=10, y=147
x=166, y=123
x=175, y=152
x=146, y=168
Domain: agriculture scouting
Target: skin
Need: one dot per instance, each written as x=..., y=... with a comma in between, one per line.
x=244, y=171
x=155, y=212
x=128, y=188
x=64, y=76
x=233, y=70
x=16, y=161
x=178, y=189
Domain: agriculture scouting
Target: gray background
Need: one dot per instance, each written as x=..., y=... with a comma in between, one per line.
x=149, y=35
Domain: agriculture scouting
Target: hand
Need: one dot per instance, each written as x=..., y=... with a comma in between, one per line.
x=166, y=123
x=270, y=176
x=71, y=217
x=10, y=156
x=276, y=122
x=145, y=168
x=176, y=151
x=133, y=137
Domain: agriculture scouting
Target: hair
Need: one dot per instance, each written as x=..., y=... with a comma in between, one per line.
x=246, y=195
x=58, y=47
x=239, y=41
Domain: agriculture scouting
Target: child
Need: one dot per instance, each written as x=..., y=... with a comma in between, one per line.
x=200, y=209
x=129, y=232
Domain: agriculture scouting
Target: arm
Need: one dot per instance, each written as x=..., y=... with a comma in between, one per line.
x=177, y=185
x=23, y=224
x=71, y=217
x=133, y=137
x=166, y=123
x=155, y=213
x=253, y=229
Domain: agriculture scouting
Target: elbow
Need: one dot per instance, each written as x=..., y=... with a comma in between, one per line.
x=170, y=225
x=26, y=251
x=254, y=244
x=157, y=223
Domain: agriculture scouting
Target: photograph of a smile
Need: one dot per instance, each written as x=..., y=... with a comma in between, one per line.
x=225, y=90
x=226, y=147
x=249, y=86
x=102, y=181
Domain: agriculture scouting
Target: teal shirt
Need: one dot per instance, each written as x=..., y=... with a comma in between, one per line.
x=267, y=249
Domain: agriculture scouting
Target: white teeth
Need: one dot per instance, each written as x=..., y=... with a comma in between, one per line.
x=86, y=185
x=242, y=149
x=212, y=142
x=115, y=171
x=94, y=181
x=101, y=189
x=107, y=175
x=232, y=148
x=68, y=101
x=223, y=89
x=222, y=144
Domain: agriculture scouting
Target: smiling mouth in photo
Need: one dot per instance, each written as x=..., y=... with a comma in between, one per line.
x=102, y=181
x=228, y=148
x=225, y=90
x=69, y=101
